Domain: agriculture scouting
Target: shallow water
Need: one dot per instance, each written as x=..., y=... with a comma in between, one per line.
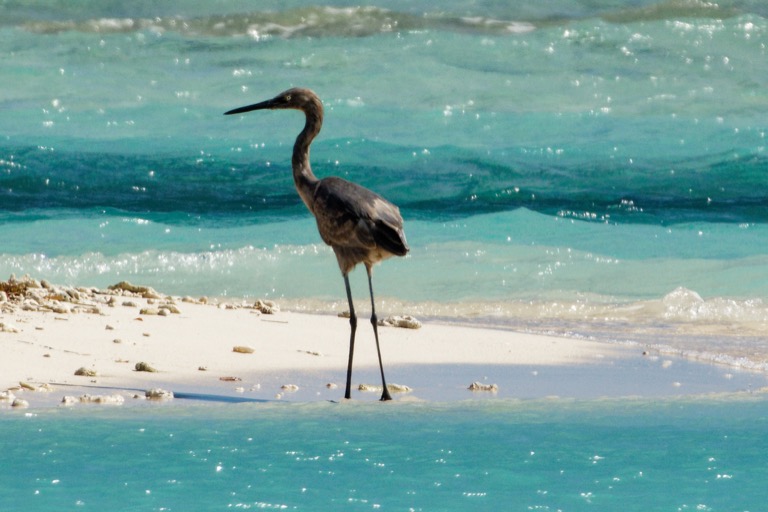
x=538, y=455
x=588, y=169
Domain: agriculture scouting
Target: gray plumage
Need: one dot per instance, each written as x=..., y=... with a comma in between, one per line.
x=358, y=224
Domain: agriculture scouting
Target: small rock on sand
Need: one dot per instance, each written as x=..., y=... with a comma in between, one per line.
x=242, y=349
x=170, y=308
x=407, y=322
x=8, y=328
x=267, y=307
x=479, y=386
x=144, y=291
x=93, y=399
x=18, y=402
x=144, y=367
x=159, y=394
x=85, y=372
x=393, y=388
x=289, y=387
x=45, y=387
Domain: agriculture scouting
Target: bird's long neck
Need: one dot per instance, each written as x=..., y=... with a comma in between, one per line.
x=303, y=176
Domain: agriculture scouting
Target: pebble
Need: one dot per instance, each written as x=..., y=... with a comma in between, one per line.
x=85, y=372
x=145, y=292
x=170, y=308
x=242, y=349
x=290, y=387
x=8, y=328
x=479, y=386
x=267, y=307
x=144, y=367
x=394, y=388
x=159, y=394
x=399, y=388
x=93, y=399
x=28, y=387
x=407, y=322
x=18, y=402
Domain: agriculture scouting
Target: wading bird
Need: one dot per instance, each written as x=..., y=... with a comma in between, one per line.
x=360, y=225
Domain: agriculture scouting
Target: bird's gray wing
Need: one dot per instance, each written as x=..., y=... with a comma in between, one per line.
x=352, y=216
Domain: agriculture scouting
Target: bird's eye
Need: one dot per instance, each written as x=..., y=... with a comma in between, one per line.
x=288, y=98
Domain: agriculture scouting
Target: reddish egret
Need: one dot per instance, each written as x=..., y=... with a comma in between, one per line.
x=360, y=225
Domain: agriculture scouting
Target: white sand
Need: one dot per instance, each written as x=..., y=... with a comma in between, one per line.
x=305, y=352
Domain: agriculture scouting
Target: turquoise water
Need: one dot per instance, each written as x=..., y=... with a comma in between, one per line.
x=549, y=455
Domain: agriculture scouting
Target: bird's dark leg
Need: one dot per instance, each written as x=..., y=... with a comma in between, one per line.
x=374, y=322
x=353, y=328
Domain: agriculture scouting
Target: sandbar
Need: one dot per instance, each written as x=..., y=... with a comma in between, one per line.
x=238, y=351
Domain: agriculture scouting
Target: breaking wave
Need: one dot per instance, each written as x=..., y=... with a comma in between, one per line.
x=365, y=21
x=303, y=22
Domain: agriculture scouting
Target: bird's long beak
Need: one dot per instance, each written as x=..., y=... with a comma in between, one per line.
x=256, y=106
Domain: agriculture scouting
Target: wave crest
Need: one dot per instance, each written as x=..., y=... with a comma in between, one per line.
x=304, y=22
x=670, y=9
x=688, y=306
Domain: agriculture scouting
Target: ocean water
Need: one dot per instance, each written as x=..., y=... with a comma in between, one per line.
x=549, y=456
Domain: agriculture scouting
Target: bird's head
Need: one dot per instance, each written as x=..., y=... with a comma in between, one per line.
x=296, y=98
